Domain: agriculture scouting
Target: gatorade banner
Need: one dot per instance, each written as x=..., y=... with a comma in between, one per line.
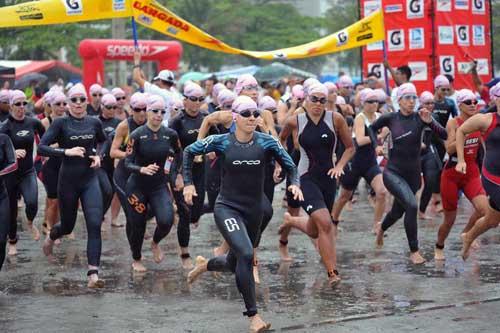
x=62, y=11
x=154, y=16
x=433, y=37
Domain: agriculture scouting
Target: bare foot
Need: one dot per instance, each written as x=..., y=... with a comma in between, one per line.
x=416, y=258
x=466, y=244
x=283, y=249
x=138, y=266
x=45, y=229
x=95, y=282
x=35, y=233
x=256, y=274
x=157, y=252
x=287, y=223
x=438, y=254
x=117, y=224
x=348, y=206
x=199, y=268
x=475, y=244
x=195, y=226
x=258, y=325
x=12, y=249
x=422, y=216
x=333, y=280
x=48, y=245
x=379, y=242
x=186, y=261
x=371, y=200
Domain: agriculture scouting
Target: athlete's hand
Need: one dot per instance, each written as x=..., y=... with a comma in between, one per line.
x=96, y=162
x=179, y=182
x=137, y=57
x=150, y=169
x=277, y=173
x=335, y=172
x=379, y=150
x=461, y=167
x=211, y=156
x=425, y=115
x=297, y=192
x=20, y=153
x=189, y=193
x=75, y=151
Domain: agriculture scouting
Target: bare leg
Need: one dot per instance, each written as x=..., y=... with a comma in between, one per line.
x=222, y=249
x=283, y=246
x=115, y=212
x=380, y=194
x=443, y=232
x=490, y=220
x=257, y=324
x=199, y=268
x=187, y=263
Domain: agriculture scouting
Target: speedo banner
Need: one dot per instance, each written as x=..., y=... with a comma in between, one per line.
x=46, y=12
x=151, y=14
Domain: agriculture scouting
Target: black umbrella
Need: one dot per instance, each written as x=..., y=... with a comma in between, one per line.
x=25, y=80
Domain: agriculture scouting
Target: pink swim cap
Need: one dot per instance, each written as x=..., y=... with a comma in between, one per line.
x=495, y=91
x=77, y=90
x=381, y=95
x=367, y=94
x=138, y=100
x=317, y=88
x=16, y=95
x=309, y=82
x=267, y=103
x=105, y=91
x=95, y=89
x=175, y=103
x=426, y=97
x=108, y=99
x=218, y=87
x=465, y=95
x=340, y=101
x=332, y=87
x=225, y=97
x=406, y=89
x=193, y=90
x=244, y=81
x=441, y=81
x=298, y=91
x=242, y=103
x=4, y=95
x=57, y=97
x=155, y=102
x=118, y=92
x=345, y=81
x=47, y=97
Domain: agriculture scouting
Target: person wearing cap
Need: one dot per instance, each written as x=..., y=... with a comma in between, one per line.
x=268, y=103
x=364, y=162
x=4, y=105
x=119, y=151
x=345, y=88
x=57, y=104
x=318, y=132
x=165, y=82
x=402, y=173
x=489, y=126
x=77, y=136
x=214, y=103
x=294, y=102
x=121, y=111
x=109, y=105
x=208, y=85
x=431, y=164
x=240, y=205
x=150, y=146
x=453, y=182
x=187, y=125
x=22, y=131
x=444, y=109
x=94, y=107
x=332, y=95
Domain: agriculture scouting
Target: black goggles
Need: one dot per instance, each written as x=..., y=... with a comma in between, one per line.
x=248, y=113
x=195, y=99
x=158, y=111
x=18, y=104
x=78, y=99
x=321, y=100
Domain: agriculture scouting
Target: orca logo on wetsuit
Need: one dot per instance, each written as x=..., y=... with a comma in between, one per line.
x=231, y=224
x=23, y=133
x=82, y=137
x=193, y=131
x=247, y=162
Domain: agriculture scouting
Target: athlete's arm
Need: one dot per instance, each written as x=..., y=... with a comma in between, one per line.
x=382, y=121
x=10, y=155
x=478, y=122
x=282, y=112
x=288, y=128
x=130, y=163
x=51, y=136
x=39, y=128
x=359, y=132
x=137, y=73
x=213, y=143
x=345, y=137
x=437, y=129
x=267, y=116
x=212, y=119
x=284, y=160
x=450, y=144
x=120, y=134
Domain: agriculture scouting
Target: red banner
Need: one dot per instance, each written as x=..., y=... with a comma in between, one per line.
x=432, y=37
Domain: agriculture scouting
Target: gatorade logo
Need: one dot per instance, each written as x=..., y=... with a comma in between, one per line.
x=396, y=40
x=375, y=69
x=447, y=64
x=478, y=7
x=396, y=37
x=415, y=8
x=463, y=35
x=342, y=38
x=73, y=7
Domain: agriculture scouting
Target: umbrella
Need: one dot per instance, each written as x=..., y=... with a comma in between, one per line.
x=25, y=80
x=192, y=76
x=277, y=71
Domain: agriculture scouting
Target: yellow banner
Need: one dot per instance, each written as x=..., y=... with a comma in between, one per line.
x=153, y=15
x=45, y=12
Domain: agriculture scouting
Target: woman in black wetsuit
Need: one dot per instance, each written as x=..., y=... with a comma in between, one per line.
x=239, y=208
x=150, y=145
x=22, y=131
x=8, y=164
x=77, y=136
x=402, y=173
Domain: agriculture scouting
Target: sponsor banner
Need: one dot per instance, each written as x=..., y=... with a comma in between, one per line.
x=396, y=40
x=464, y=67
x=483, y=67
x=372, y=6
x=394, y=8
x=443, y=5
x=462, y=4
x=419, y=70
x=377, y=46
x=414, y=9
x=478, y=35
x=416, y=38
x=447, y=65
x=445, y=35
